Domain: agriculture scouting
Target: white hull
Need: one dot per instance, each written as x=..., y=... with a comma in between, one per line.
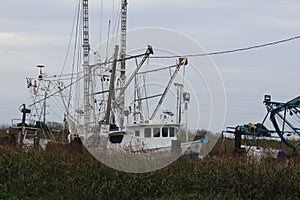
x=161, y=141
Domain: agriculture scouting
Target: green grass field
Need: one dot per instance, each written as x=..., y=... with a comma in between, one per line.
x=72, y=173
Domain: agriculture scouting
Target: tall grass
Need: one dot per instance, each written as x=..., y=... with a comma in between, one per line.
x=72, y=173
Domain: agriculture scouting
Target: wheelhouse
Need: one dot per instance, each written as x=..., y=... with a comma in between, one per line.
x=155, y=131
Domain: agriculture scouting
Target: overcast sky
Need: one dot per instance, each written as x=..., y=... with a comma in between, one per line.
x=37, y=32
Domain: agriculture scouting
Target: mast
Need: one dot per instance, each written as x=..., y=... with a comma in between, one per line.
x=88, y=99
x=123, y=36
x=111, y=87
x=122, y=55
x=45, y=96
x=179, y=95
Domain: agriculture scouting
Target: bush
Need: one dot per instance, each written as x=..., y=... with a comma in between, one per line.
x=67, y=174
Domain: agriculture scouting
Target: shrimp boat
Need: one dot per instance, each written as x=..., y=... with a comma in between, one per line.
x=111, y=106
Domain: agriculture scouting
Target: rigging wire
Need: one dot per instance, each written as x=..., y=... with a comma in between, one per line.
x=116, y=30
x=58, y=91
x=74, y=56
x=190, y=55
x=233, y=50
x=157, y=69
x=107, y=42
x=65, y=75
x=110, y=29
x=70, y=39
x=101, y=20
x=201, y=54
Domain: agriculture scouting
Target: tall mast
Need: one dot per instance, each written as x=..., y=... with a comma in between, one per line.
x=123, y=38
x=111, y=87
x=123, y=54
x=88, y=104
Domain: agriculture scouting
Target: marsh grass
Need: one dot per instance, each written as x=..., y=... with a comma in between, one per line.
x=72, y=173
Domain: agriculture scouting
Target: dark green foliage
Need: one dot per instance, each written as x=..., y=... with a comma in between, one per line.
x=75, y=174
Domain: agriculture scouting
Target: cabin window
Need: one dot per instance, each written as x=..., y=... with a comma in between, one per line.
x=116, y=139
x=147, y=132
x=137, y=133
x=156, y=132
x=172, y=131
x=165, y=131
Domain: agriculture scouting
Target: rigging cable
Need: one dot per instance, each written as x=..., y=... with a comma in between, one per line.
x=110, y=29
x=116, y=29
x=58, y=91
x=74, y=55
x=70, y=39
x=74, y=29
x=107, y=42
x=233, y=50
x=190, y=55
x=101, y=20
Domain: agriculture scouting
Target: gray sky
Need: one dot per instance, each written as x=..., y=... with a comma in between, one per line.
x=37, y=32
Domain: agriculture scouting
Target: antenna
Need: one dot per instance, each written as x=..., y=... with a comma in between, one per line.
x=41, y=71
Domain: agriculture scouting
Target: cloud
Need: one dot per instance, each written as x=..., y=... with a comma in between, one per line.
x=34, y=32
x=21, y=40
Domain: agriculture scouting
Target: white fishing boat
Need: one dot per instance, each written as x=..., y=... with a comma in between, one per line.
x=110, y=104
